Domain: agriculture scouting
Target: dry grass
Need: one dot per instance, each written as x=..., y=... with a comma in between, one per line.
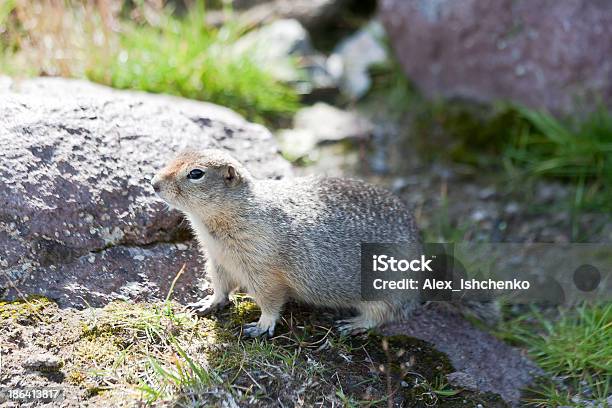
x=56, y=38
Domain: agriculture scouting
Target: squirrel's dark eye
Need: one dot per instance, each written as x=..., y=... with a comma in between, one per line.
x=195, y=174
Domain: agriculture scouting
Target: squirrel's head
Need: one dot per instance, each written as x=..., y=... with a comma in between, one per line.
x=202, y=182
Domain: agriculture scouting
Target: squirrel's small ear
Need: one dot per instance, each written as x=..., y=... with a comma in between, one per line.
x=231, y=176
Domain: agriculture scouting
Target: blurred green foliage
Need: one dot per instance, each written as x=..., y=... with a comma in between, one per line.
x=184, y=57
x=143, y=46
x=574, y=149
x=532, y=144
x=528, y=144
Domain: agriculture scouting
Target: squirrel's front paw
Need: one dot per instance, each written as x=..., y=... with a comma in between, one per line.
x=256, y=329
x=208, y=305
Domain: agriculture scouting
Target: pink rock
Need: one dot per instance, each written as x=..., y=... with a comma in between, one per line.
x=553, y=54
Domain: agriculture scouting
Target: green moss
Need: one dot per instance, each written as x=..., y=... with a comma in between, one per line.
x=404, y=353
x=472, y=134
x=76, y=377
x=244, y=311
x=422, y=369
x=93, y=359
x=28, y=311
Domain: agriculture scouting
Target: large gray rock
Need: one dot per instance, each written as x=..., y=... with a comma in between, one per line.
x=78, y=219
x=547, y=53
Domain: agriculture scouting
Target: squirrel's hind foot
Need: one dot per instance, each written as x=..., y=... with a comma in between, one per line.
x=265, y=325
x=255, y=330
x=354, y=326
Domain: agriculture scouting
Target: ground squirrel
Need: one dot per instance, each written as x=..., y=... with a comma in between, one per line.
x=295, y=238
